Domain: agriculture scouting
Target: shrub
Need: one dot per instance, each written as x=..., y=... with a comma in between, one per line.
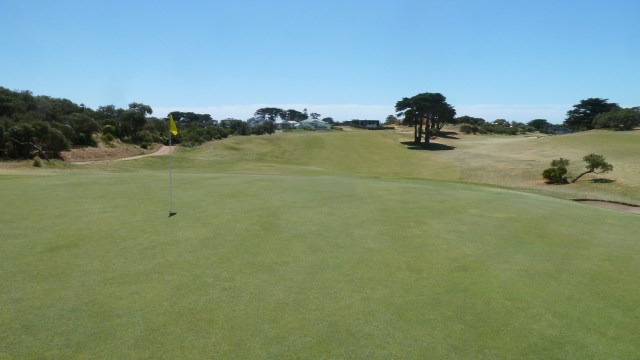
x=108, y=138
x=466, y=129
x=84, y=139
x=109, y=129
x=556, y=174
x=37, y=162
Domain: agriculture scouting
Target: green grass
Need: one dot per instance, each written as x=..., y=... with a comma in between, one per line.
x=309, y=246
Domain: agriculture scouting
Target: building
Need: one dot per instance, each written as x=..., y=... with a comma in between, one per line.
x=315, y=124
x=289, y=125
x=369, y=124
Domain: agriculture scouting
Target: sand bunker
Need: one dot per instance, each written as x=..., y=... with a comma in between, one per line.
x=613, y=205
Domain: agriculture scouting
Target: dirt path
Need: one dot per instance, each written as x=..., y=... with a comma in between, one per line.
x=163, y=151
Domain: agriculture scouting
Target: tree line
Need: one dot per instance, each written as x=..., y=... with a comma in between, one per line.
x=46, y=126
x=274, y=113
x=428, y=112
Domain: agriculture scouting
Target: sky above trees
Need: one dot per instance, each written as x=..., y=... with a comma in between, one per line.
x=345, y=59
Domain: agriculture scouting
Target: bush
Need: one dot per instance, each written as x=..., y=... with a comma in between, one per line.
x=37, y=162
x=84, y=139
x=109, y=129
x=144, y=137
x=556, y=174
x=108, y=138
x=466, y=129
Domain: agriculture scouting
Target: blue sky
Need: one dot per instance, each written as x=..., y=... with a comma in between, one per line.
x=341, y=58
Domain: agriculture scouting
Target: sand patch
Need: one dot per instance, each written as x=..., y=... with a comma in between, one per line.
x=613, y=205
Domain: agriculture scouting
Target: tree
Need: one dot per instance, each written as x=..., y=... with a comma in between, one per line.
x=556, y=173
x=430, y=109
x=133, y=120
x=295, y=115
x=446, y=114
x=501, y=122
x=328, y=120
x=469, y=120
x=618, y=119
x=240, y=128
x=541, y=125
x=83, y=128
x=130, y=122
x=391, y=120
x=142, y=108
x=582, y=115
x=270, y=113
x=192, y=118
x=595, y=164
x=314, y=115
x=107, y=112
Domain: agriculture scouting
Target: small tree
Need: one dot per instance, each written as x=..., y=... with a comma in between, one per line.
x=595, y=164
x=556, y=174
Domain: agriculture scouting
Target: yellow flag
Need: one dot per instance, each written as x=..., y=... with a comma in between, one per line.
x=172, y=125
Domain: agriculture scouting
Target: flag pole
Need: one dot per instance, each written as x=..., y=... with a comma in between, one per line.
x=171, y=125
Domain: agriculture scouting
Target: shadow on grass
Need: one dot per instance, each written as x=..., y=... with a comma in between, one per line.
x=448, y=135
x=603, y=181
x=429, y=147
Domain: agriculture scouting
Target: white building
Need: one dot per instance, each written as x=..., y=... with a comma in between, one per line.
x=315, y=124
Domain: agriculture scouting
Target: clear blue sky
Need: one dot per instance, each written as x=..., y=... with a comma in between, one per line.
x=517, y=60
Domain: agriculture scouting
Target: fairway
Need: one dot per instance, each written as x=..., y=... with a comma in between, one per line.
x=318, y=245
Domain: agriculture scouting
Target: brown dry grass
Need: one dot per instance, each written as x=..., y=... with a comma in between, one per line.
x=103, y=152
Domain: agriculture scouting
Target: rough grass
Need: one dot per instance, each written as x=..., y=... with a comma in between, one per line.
x=518, y=162
x=284, y=248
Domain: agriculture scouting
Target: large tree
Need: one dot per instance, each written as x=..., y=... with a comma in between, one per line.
x=295, y=115
x=583, y=114
x=425, y=110
x=270, y=113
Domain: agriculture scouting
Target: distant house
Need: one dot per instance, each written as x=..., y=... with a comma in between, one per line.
x=289, y=125
x=315, y=124
x=253, y=122
x=369, y=124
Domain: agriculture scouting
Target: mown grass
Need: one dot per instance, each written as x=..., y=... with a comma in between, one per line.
x=286, y=247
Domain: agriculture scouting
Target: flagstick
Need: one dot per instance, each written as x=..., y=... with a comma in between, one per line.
x=171, y=213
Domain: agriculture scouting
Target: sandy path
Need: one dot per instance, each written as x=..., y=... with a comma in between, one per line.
x=163, y=151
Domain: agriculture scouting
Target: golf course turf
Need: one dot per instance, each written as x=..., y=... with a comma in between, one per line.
x=322, y=245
